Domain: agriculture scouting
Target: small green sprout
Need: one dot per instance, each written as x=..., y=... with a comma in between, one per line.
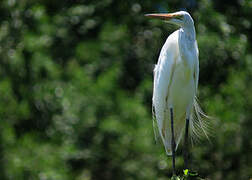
x=186, y=172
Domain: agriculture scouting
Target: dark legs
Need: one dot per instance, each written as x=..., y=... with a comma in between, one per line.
x=172, y=144
x=186, y=150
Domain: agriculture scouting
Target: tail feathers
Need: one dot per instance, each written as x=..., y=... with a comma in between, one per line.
x=165, y=136
x=200, y=125
x=167, y=144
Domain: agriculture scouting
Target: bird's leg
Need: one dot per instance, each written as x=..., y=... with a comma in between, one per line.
x=172, y=143
x=186, y=149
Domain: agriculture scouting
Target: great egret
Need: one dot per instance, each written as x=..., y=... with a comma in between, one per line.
x=175, y=85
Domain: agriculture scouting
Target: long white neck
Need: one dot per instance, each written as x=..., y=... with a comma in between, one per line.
x=187, y=44
x=188, y=32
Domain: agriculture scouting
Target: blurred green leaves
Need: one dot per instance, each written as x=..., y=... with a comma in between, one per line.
x=76, y=85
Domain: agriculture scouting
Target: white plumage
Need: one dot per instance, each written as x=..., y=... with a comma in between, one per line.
x=176, y=80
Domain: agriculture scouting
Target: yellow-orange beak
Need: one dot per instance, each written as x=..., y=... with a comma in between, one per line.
x=163, y=16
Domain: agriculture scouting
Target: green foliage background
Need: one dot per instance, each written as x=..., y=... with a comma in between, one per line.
x=76, y=87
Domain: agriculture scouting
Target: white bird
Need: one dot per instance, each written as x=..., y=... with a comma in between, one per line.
x=175, y=85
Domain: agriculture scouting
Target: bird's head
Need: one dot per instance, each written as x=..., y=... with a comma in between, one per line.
x=180, y=18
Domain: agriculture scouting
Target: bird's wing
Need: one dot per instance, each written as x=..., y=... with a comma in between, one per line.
x=196, y=70
x=200, y=124
x=162, y=77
